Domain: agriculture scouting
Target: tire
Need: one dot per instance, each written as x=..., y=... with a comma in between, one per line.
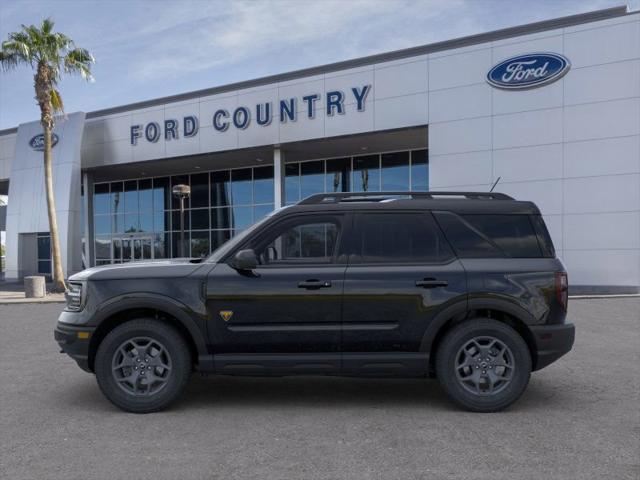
x=143, y=365
x=482, y=382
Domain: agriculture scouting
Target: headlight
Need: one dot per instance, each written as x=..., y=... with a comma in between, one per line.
x=74, y=297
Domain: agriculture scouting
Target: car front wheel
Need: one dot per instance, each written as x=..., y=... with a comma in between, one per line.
x=483, y=365
x=143, y=365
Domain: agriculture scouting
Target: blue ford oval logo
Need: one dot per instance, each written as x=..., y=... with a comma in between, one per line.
x=528, y=71
x=37, y=142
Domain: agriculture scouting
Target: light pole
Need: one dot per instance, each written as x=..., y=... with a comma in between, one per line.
x=182, y=192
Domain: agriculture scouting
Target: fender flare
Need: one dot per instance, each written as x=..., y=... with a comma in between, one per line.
x=501, y=303
x=178, y=310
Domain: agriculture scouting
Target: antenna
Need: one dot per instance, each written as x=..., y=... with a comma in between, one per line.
x=494, y=185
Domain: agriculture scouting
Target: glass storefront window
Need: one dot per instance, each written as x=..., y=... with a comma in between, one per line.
x=292, y=183
x=220, y=189
x=146, y=222
x=366, y=173
x=200, y=219
x=242, y=217
x=338, y=173
x=131, y=222
x=117, y=193
x=395, y=171
x=420, y=170
x=143, y=212
x=179, y=180
x=263, y=185
x=145, y=195
x=101, y=199
x=311, y=178
x=102, y=224
x=131, y=203
x=199, y=244
x=220, y=218
x=161, y=194
x=218, y=237
x=261, y=211
x=241, y=193
x=200, y=190
x=175, y=220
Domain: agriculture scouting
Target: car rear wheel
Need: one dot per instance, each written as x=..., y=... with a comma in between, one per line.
x=483, y=365
x=143, y=365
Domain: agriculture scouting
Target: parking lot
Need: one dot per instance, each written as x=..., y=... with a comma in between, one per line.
x=579, y=419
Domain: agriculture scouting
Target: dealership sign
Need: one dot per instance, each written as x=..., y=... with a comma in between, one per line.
x=262, y=114
x=37, y=142
x=528, y=71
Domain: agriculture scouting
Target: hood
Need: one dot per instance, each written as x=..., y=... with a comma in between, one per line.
x=174, y=268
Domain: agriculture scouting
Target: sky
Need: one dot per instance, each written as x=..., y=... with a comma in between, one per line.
x=150, y=49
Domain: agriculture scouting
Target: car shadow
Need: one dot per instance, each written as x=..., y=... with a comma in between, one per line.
x=328, y=392
x=300, y=391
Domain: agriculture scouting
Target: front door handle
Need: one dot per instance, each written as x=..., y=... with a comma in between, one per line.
x=314, y=284
x=431, y=283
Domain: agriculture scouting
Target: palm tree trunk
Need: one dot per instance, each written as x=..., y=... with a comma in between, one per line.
x=58, y=275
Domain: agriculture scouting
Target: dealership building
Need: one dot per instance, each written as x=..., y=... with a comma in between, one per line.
x=550, y=110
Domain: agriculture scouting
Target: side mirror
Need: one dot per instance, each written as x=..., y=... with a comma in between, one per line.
x=245, y=260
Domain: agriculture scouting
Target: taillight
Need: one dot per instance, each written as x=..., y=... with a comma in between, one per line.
x=562, y=289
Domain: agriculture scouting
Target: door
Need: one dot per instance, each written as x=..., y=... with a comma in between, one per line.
x=132, y=249
x=401, y=274
x=291, y=303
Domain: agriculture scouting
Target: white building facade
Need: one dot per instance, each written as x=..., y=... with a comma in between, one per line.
x=551, y=109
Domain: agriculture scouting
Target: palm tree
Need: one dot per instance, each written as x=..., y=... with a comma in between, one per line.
x=50, y=55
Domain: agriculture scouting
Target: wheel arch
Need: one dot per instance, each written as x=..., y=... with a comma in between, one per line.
x=121, y=310
x=503, y=310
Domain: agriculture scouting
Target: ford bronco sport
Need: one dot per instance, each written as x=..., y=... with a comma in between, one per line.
x=462, y=286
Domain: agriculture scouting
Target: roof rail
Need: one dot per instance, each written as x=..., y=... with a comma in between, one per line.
x=320, y=198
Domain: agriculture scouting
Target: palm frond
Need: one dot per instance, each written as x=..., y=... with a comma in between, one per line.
x=79, y=61
x=56, y=101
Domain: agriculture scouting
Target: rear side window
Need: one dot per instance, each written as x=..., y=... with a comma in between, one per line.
x=490, y=236
x=400, y=238
x=544, y=239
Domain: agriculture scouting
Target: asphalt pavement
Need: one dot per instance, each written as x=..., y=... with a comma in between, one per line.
x=578, y=419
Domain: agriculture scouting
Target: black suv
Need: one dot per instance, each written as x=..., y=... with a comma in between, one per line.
x=462, y=286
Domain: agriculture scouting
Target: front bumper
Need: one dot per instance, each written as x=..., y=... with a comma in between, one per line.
x=74, y=341
x=552, y=342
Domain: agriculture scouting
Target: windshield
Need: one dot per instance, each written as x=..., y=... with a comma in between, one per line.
x=230, y=244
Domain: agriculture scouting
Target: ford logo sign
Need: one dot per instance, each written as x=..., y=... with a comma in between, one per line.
x=37, y=142
x=528, y=71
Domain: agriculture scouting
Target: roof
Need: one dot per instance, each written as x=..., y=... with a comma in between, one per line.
x=371, y=59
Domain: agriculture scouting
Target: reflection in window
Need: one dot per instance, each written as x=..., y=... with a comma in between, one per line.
x=420, y=170
x=241, y=187
x=101, y=199
x=366, y=173
x=220, y=189
x=315, y=241
x=242, y=217
x=200, y=219
x=292, y=183
x=199, y=244
x=311, y=178
x=337, y=179
x=395, y=171
x=263, y=185
x=226, y=202
x=218, y=237
x=200, y=190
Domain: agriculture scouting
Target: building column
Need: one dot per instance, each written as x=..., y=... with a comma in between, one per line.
x=278, y=177
x=87, y=221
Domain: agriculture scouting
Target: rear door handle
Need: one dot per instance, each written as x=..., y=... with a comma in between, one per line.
x=431, y=283
x=314, y=284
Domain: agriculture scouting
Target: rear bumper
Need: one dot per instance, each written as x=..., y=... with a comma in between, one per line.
x=552, y=342
x=74, y=345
